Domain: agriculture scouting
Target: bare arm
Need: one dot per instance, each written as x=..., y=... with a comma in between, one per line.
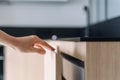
x=6, y=39
x=30, y=43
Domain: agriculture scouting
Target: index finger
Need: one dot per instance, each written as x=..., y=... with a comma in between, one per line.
x=44, y=44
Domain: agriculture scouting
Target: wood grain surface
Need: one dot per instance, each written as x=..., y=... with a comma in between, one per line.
x=102, y=61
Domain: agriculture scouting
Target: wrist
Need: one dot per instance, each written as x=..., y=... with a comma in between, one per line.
x=13, y=41
x=7, y=39
x=10, y=41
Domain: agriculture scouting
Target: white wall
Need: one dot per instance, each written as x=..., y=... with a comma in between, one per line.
x=97, y=10
x=52, y=14
x=113, y=8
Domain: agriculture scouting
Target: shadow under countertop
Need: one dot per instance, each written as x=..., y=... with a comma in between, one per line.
x=45, y=33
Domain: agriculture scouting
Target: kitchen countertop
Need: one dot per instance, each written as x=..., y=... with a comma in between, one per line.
x=96, y=39
x=91, y=39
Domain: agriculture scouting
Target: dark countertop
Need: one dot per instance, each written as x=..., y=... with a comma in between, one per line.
x=91, y=39
x=106, y=39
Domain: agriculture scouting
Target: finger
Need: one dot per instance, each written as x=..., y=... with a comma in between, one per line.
x=45, y=44
x=39, y=50
x=42, y=43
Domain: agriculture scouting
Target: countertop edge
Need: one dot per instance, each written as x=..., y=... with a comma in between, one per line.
x=99, y=39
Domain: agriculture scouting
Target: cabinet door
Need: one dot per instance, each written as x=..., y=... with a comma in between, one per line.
x=52, y=64
x=32, y=66
x=102, y=61
x=22, y=66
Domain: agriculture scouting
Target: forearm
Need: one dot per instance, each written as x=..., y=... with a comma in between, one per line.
x=6, y=39
x=25, y=44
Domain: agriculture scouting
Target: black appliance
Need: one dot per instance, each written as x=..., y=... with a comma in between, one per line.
x=106, y=29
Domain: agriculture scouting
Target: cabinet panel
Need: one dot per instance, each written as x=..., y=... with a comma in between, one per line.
x=22, y=66
x=32, y=66
x=102, y=61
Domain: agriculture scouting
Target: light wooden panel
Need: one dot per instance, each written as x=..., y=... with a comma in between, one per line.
x=22, y=66
x=32, y=66
x=52, y=64
x=102, y=61
x=75, y=49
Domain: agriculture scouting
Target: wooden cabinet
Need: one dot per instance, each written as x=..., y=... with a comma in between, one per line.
x=21, y=66
x=32, y=66
x=102, y=61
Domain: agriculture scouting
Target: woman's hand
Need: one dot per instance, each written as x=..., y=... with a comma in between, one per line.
x=31, y=44
x=25, y=44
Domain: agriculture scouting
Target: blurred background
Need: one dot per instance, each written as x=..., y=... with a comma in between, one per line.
x=53, y=19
